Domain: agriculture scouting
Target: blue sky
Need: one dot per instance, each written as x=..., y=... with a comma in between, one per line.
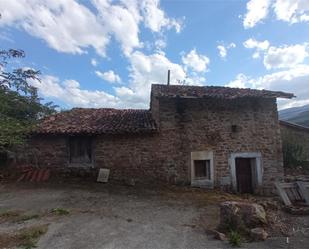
x=105, y=53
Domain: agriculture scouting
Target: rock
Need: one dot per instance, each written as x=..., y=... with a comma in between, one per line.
x=258, y=233
x=241, y=215
x=219, y=236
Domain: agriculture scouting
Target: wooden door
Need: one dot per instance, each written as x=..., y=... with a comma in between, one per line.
x=244, y=175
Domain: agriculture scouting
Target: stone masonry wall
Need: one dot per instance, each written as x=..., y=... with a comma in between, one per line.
x=51, y=151
x=187, y=125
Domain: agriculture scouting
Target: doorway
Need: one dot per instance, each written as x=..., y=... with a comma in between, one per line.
x=244, y=175
x=246, y=171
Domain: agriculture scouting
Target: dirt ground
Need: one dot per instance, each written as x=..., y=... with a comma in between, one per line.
x=92, y=215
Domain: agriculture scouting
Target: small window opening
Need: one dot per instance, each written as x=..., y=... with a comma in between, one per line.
x=80, y=150
x=234, y=128
x=202, y=169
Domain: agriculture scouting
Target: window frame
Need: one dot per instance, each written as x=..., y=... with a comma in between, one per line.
x=206, y=167
x=202, y=182
x=81, y=164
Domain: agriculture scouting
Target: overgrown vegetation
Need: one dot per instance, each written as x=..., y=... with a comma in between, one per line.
x=20, y=106
x=24, y=238
x=293, y=155
x=16, y=216
x=60, y=211
x=28, y=237
x=235, y=238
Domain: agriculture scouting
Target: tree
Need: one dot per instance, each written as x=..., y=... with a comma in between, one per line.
x=20, y=106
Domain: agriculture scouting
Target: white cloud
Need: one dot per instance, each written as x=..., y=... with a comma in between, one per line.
x=223, y=49
x=94, y=62
x=109, y=76
x=294, y=80
x=71, y=27
x=241, y=81
x=70, y=92
x=285, y=56
x=144, y=70
x=155, y=18
x=197, y=62
x=160, y=44
x=56, y=23
x=291, y=11
x=257, y=10
x=259, y=46
x=148, y=69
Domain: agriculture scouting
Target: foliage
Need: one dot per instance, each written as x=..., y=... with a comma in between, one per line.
x=20, y=106
x=16, y=216
x=235, y=238
x=293, y=155
x=29, y=236
x=60, y=211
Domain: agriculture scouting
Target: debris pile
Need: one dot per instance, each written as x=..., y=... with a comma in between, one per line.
x=246, y=219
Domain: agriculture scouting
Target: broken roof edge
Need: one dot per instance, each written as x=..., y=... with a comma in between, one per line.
x=189, y=91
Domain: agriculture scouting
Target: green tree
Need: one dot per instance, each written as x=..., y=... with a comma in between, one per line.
x=20, y=106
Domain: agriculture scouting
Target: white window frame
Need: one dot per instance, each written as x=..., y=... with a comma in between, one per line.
x=202, y=182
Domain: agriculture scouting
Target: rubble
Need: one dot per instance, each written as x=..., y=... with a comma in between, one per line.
x=258, y=233
x=241, y=215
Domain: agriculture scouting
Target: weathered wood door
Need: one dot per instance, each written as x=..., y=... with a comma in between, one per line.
x=244, y=175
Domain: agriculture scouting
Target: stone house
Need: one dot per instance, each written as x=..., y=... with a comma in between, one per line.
x=204, y=136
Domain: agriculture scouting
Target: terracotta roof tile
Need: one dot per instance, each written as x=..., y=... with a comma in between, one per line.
x=98, y=121
x=214, y=91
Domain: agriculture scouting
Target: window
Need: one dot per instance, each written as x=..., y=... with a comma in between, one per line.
x=80, y=150
x=202, y=169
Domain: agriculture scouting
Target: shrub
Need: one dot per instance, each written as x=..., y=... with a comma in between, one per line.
x=60, y=211
x=235, y=238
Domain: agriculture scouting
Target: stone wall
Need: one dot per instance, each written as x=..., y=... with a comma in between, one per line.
x=187, y=125
x=50, y=151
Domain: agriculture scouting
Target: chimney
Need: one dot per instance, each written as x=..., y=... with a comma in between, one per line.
x=168, y=77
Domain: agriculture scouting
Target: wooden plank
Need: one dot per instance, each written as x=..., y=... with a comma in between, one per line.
x=283, y=193
x=304, y=191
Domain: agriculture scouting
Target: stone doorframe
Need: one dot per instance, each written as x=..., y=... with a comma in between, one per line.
x=258, y=167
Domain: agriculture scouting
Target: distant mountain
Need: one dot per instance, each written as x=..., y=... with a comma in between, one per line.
x=298, y=115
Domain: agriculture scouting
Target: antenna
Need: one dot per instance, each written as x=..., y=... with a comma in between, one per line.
x=168, y=77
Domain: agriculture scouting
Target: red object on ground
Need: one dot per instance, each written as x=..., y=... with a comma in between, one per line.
x=46, y=175
x=39, y=175
x=28, y=175
x=35, y=172
x=21, y=177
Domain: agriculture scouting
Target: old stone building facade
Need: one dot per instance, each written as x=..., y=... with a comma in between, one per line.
x=203, y=136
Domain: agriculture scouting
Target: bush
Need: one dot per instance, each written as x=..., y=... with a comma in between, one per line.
x=60, y=211
x=235, y=238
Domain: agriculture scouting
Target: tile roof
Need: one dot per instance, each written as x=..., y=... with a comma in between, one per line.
x=97, y=121
x=214, y=91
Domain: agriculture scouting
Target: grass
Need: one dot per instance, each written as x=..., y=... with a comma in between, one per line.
x=9, y=214
x=17, y=216
x=28, y=237
x=26, y=217
x=235, y=238
x=60, y=211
